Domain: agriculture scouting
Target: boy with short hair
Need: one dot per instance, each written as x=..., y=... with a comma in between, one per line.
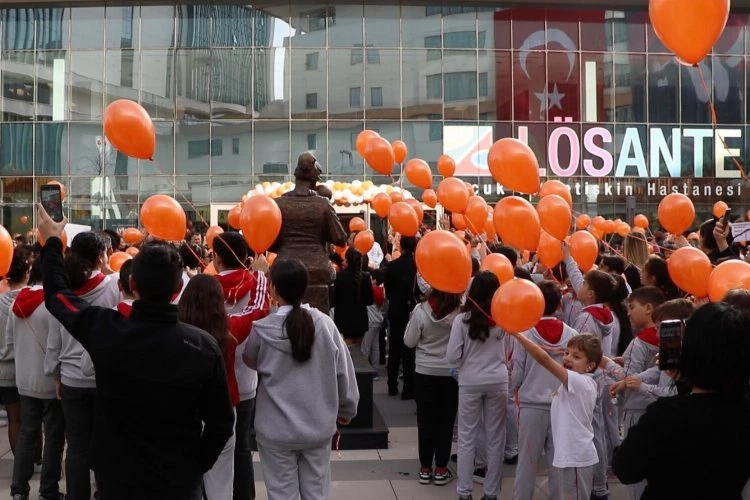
x=535, y=387
x=572, y=410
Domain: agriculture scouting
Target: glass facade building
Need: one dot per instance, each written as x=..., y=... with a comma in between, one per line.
x=237, y=92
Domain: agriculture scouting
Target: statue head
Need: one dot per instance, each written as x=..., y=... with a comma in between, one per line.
x=308, y=170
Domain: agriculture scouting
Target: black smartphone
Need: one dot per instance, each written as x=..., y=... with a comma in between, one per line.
x=725, y=217
x=670, y=344
x=52, y=201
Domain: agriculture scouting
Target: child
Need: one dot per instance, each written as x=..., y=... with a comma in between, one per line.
x=572, y=410
x=477, y=348
x=535, y=387
x=375, y=317
x=126, y=304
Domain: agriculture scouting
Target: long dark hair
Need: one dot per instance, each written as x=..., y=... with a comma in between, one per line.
x=443, y=303
x=202, y=305
x=83, y=257
x=289, y=279
x=657, y=268
x=478, y=304
x=617, y=304
x=354, y=263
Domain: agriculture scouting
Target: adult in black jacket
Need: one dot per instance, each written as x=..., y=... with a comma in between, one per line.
x=402, y=293
x=163, y=412
x=352, y=295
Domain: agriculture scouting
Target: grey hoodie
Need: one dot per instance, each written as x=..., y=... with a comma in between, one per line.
x=7, y=356
x=430, y=337
x=638, y=358
x=64, y=354
x=298, y=403
x=479, y=363
x=535, y=384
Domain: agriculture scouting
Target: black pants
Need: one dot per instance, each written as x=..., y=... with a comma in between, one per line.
x=437, y=402
x=34, y=412
x=398, y=353
x=78, y=406
x=115, y=489
x=244, y=476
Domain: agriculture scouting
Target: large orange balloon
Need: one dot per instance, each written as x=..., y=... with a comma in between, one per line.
x=453, y=195
x=690, y=269
x=429, y=198
x=417, y=208
x=132, y=251
x=364, y=241
x=517, y=305
x=676, y=213
x=641, y=221
x=399, y=151
x=363, y=139
x=513, y=164
x=459, y=222
x=132, y=236
x=728, y=275
x=260, y=222
x=233, y=218
x=379, y=155
x=381, y=203
x=584, y=249
x=163, y=218
x=117, y=259
x=418, y=173
x=357, y=224
x=62, y=188
x=689, y=28
x=558, y=188
x=517, y=223
x=6, y=251
x=550, y=251
x=444, y=262
x=583, y=221
x=500, y=266
x=554, y=215
x=130, y=130
x=446, y=166
x=211, y=234
x=719, y=209
x=476, y=214
x=403, y=218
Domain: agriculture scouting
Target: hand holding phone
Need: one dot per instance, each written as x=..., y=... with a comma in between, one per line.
x=51, y=197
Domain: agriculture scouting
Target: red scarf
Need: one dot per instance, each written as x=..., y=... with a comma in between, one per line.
x=601, y=313
x=650, y=336
x=90, y=285
x=125, y=309
x=550, y=329
x=236, y=285
x=27, y=301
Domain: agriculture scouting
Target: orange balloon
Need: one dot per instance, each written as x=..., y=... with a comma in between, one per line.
x=429, y=198
x=719, y=209
x=234, y=217
x=417, y=208
x=132, y=236
x=62, y=188
x=446, y=166
x=676, y=213
x=260, y=222
x=489, y=228
x=500, y=266
x=396, y=196
x=689, y=28
x=609, y=226
x=598, y=222
x=117, y=259
x=418, y=173
x=747, y=215
x=363, y=139
x=381, y=203
x=399, y=151
x=517, y=305
x=403, y=218
x=550, y=251
x=558, y=188
x=583, y=221
x=130, y=130
x=470, y=187
x=584, y=249
x=476, y=214
x=63, y=238
x=641, y=221
x=24, y=219
x=434, y=251
x=622, y=228
x=6, y=251
x=554, y=215
x=513, y=164
x=728, y=275
x=132, y=251
x=210, y=269
x=211, y=234
x=379, y=155
x=163, y=218
x=459, y=222
x=453, y=195
x=357, y=224
x=364, y=241
x=461, y=235
x=598, y=233
x=690, y=269
x=517, y=223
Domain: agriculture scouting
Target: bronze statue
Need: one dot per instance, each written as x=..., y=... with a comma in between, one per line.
x=309, y=224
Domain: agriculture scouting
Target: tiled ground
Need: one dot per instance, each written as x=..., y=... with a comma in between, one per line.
x=363, y=475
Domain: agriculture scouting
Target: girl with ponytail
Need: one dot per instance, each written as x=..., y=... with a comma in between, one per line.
x=306, y=385
x=352, y=294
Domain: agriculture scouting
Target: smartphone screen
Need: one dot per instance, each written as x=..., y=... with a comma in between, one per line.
x=52, y=201
x=670, y=344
